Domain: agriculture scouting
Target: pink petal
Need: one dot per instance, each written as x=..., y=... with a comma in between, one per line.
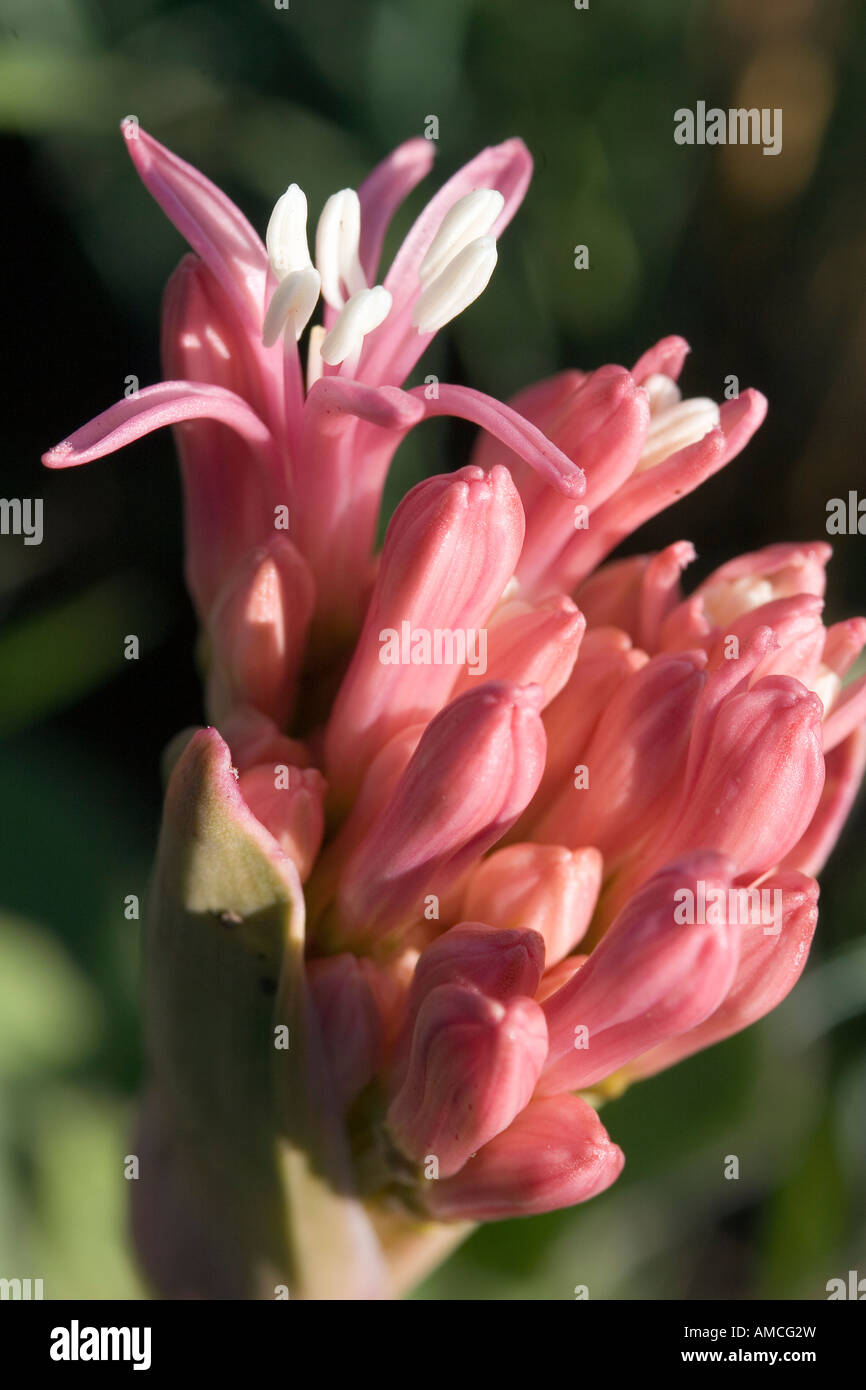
x=473, y=1067
x=382, y=192
x=844, y=768
x=289, y=802
x=635, y=761
x=554, y=1154
x=770, y=965
x=214, y=227
x=516, y=433
x=349, y=434
x=449, y=551
x=653, y=975
x=166, y=403
x=665, y=358
x=470, y=777
x=847, y=714
x=546, y=888
x=530, y=644
x=350, y=1022
x=257, y=629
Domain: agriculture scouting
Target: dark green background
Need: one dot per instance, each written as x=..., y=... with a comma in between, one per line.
x=758, y=261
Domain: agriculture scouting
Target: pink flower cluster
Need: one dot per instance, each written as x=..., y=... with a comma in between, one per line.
x=492, y=861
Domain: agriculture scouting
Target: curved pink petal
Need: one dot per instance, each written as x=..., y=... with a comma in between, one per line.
x=382, y=192
x=770, y=964
x=210, y=222
x=554, y=1154
x=666, y=357
x=511, y=429
x=166, y=403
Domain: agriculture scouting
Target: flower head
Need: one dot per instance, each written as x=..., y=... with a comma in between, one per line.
x=555, y=821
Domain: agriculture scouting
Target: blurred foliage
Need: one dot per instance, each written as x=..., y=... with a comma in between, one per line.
x=759, y=262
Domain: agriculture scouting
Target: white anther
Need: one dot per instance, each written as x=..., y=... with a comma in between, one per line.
x=675, y=428
x=292, y=304
x=662, y=392
x=361, y=314
x=462, y=281
x=338, y=236
x=286, y=237
x=471, y=217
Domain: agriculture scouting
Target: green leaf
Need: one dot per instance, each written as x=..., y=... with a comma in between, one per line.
x=245, y=1181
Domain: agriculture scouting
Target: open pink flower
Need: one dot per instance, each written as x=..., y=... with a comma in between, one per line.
x=554, y=820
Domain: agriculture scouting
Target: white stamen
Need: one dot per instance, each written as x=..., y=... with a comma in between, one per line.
x=286, y=237
x=469, y=218
x=315, y=366
x=675, y=428
x=292, y=304
x=454, y=289
x=337, y=238
x=662, y=392
x=361, y=314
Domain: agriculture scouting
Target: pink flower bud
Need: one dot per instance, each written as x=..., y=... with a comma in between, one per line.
x=543, y=888
x=499, y=963
x=290, y=803
x=605, y=660
x=555, y=1153
x=666, y=358
x=756, y=788
x=634, y=760
x=258, y=629
x=770, y=964
x=254, y=738
x=750, y=581
x=843, y=645
x=654, y=975
x=471, y=775
x=637, y=594
x=350, y=1022
x=843, y=775
x=648, y=492
x=796, y=625
x=450, y=550
x=531, y=644
x=604, y=426
x=847, y=714
x=473, y=1067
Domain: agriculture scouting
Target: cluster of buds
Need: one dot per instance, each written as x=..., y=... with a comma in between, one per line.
x=511, y=891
